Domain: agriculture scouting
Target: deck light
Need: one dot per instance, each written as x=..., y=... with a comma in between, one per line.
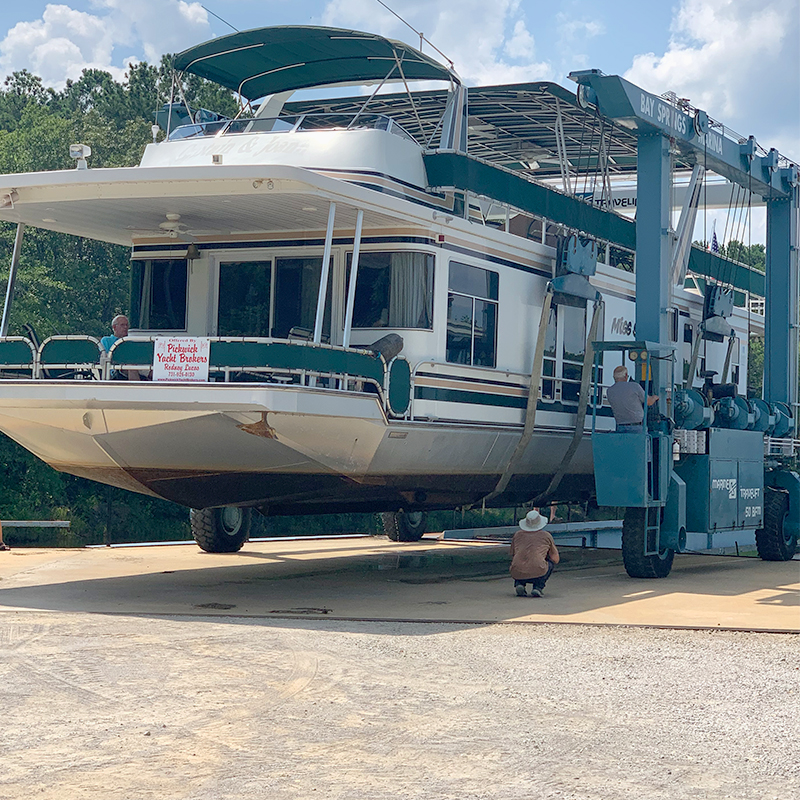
x=154, y=129
x=80, y=152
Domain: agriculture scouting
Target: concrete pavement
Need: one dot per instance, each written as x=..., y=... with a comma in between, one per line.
x=372, y=578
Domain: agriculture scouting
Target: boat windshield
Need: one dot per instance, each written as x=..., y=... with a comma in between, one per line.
x=291, y=124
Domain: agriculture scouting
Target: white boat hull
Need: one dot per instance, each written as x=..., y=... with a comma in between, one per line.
x=285, y=449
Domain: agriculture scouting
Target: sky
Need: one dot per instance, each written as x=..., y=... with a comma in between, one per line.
x=739, y=60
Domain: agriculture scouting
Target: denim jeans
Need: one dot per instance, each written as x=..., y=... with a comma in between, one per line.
x=537, y=583
x=630, y=428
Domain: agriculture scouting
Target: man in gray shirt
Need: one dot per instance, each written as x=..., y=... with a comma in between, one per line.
x=627, y=401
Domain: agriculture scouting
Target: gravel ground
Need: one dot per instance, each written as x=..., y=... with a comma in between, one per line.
x=124, y=707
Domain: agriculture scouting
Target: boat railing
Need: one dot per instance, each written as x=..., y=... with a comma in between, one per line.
x=19, y=357
x=291, y=124
x=71, y=357
x=232, y=359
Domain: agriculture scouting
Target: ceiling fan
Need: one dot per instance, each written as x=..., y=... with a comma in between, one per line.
x=174, y=229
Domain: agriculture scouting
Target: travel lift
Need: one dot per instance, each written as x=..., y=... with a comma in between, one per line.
x=710, y=475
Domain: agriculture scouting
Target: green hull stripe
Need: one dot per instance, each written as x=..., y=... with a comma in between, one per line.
x=475, y=398
x=485, y=399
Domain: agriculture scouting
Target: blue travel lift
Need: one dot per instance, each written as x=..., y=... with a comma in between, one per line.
x=701, y=466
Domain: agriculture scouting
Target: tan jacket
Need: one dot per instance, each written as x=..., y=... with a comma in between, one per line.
x=530, y=551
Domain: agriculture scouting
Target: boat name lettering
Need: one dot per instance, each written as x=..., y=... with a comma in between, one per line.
x=621, y=326
x=725, y=484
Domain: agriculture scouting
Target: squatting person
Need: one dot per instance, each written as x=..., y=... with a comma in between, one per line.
x=533, y=555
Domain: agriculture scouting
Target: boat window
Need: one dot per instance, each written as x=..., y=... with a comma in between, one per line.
x=549, y=363
x=296, y=291
x=158, y=294
x=393, y=290
x=244, y=298
x=473, y=281
x=573, y=320
x=472, y=315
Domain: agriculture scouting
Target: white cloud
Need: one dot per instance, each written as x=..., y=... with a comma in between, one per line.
x=65, y=41
x=488, y=43
x=572, y=29
x=738, y=60
x=520, y=45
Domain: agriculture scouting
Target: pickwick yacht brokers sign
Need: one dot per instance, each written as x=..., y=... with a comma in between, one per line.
x=181, y=359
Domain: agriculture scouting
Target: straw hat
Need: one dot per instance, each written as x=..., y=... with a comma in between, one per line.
x=532, y=521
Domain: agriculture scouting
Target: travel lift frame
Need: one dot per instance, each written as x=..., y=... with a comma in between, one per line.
x=717, y=479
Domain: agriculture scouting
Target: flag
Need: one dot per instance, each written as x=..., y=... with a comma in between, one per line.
x=714, y=243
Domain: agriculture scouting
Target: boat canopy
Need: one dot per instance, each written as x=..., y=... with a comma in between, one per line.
x=516, y=126
x=266, y=61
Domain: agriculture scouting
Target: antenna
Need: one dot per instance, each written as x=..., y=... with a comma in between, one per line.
x=421, y=35
x=220, y=19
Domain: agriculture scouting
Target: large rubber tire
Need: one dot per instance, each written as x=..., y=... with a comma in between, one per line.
x=773, y=541
x=637, y=564
x=404, y=526
x=221, y=530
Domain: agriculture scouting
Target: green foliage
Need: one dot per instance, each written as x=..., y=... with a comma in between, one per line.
x=70, y=285
x=755, y=366
x=754, y=256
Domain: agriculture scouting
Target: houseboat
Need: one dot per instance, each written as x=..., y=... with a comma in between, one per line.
x=361, y=280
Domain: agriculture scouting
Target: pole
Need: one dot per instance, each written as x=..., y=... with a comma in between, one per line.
x=351, y=288
x=12, y=277
x=323, y=279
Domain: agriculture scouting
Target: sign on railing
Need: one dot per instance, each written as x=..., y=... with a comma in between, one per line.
x=181, y=358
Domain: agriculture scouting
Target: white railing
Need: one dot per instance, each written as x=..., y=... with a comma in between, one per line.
x=781, y=447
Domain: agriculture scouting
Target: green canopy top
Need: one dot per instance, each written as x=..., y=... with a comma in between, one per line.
x=266, y=61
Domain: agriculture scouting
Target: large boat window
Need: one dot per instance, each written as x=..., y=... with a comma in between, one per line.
x=472, y=315
x=244, y=298
x=296, y=291
x=393, y=290
x=158, y=295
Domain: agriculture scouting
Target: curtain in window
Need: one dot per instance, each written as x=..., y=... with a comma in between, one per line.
x=146, y=296
x=410, y=290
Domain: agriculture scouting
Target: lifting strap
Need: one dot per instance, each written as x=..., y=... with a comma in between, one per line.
x=583, y=402
x=731, y=343
x=533, y=399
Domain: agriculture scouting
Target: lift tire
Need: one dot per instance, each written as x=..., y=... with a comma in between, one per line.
x=404, y=526
x=773, y=542
x=637, y=564
x=221, y=530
